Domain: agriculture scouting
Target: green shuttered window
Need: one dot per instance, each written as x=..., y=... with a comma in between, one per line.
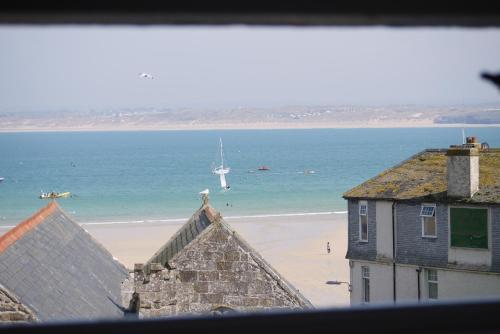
x=469, y=227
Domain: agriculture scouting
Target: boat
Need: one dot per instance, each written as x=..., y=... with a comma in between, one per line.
x=221, y=170
x=53, y=195
x=263, y=168
x=1, y=179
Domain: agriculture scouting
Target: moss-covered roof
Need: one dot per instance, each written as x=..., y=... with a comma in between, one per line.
x=423, y=177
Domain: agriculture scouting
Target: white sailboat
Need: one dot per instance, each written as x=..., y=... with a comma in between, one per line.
x=221, y=170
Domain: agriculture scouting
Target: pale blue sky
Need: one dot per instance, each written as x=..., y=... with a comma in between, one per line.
x=96, y=67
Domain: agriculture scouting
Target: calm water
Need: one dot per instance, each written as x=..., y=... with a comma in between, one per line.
x=120, y=176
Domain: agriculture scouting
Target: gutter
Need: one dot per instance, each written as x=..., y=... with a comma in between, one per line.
x=419, y=270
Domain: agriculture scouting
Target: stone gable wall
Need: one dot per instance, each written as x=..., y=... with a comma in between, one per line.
x=214, y=272
x=12, y=311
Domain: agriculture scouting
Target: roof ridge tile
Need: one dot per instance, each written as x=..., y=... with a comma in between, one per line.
x=24, y=227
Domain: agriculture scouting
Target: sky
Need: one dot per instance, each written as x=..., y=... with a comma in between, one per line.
x=97, y=67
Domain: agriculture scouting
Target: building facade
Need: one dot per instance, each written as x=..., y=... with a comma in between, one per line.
x=427, y=229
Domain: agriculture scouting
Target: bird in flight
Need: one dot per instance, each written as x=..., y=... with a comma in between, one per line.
x=146, y=75
x=494, y=78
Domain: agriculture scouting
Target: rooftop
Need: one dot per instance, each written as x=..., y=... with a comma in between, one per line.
x=207, y=226
x=58, y=270
x=200, y=220
x=423, y=177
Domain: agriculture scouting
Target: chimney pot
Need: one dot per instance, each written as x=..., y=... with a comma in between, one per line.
x=471, y=140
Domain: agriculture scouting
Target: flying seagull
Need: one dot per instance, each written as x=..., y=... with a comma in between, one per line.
x=146, y=75
x=494, y=78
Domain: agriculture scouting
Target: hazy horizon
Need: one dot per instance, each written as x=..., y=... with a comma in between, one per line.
x=97, y=67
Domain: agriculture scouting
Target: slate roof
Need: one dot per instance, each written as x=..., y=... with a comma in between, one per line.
x=200, y=220
x=58, y=270
x=423, y=177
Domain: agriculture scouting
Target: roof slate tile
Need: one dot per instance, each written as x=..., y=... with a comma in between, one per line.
x=58, y=270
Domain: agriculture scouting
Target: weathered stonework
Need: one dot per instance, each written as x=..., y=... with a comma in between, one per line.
x=215, y=272
x=13, y=311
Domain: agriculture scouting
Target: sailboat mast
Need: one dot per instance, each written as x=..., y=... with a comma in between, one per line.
x=221, y=154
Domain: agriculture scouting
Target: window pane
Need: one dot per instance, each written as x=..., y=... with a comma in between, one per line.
x=429, y=226
x=432, y=275
x=362, y=209
x=366, y=290
x=469, y=227
x=433, y=290
x=364, y=227
x=427, y=211
x=365, y=272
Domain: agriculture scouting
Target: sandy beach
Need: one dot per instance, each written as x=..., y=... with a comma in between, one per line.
x=295, y=245
x=368, y=124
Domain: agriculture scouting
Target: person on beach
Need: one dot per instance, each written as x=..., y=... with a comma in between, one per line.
x=328, y=247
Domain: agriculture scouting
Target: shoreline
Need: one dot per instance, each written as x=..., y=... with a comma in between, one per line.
x=251, y=126
x=184, y=219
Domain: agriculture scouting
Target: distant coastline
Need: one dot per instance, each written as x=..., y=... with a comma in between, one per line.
x=285, y=117
x=248, y=126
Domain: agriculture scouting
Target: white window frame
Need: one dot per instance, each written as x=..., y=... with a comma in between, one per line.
x=423, y=216
x=429, y=282
x=363, y=203
x=365, y=276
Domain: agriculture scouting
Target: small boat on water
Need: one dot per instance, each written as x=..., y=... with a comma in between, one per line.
x=263, y=168
x=221, y=170
x=53, y=195
x=1, y=179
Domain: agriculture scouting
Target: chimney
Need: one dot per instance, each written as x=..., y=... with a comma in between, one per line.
x=463, y=169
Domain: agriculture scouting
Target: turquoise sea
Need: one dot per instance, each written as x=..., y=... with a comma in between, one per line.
x=128, y=176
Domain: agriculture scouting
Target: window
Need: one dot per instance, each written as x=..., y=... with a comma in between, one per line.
x=365, y=284
x=363, y=221
x=428, y=214
x=469, y=228
x=432, y=284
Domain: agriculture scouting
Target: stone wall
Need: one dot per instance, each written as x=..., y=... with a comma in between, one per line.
x=11, y=310
x=214, y=273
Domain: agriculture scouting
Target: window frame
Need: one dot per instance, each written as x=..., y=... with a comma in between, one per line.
x=432, y=281
x=423, y=217
x=365, y=278
x=365, y=214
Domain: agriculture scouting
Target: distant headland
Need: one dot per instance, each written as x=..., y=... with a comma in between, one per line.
x=290, y=117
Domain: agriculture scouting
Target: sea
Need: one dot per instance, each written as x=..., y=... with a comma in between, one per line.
x=156, y=176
